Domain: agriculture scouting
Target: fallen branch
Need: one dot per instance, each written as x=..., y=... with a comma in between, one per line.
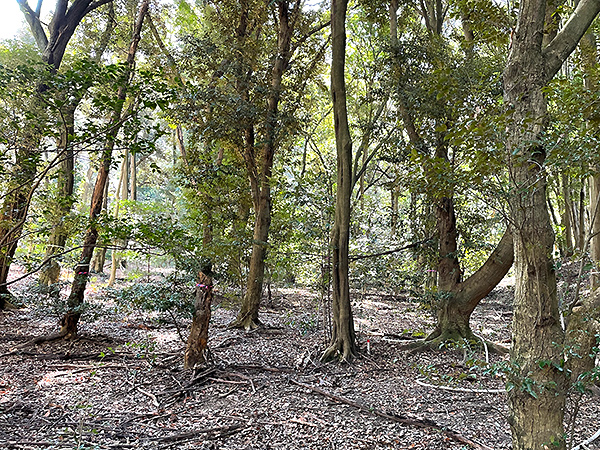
x=468, y=390
x=210, y=431
x=587, y=441
x=420, y=423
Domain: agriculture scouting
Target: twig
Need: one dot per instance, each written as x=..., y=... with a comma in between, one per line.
x=192, y=434
x=420, y=423
x=151, y=395
x=468, y=390
x=587, y=441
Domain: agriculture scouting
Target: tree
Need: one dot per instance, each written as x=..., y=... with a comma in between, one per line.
x=536, y=402
x=14, y=209
x=435, y=99
x=64, y=200
x=343, y=339
x=75, y=301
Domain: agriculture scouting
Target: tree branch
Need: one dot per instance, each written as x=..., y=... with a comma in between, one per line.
x=566, y=40
x=33, y=19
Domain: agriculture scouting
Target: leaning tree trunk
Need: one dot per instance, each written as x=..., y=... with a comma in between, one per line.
x=75, y=301
x=343, y=339
x=457, y=304
x=537, y=400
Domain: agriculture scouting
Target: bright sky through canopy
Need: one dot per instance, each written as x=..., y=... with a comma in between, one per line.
x=11, y=19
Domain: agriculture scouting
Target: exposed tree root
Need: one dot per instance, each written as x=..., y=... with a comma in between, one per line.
x=42, y=339
x=453, y=341
x=246, y=324
x=415, y=422
x=339, y=351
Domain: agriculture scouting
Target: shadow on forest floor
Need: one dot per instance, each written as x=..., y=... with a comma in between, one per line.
x=121, y=384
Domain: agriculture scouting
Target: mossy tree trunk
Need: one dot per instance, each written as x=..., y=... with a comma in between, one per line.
x=343, y=340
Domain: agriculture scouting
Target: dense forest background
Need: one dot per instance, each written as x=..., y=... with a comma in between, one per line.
x=181, y=156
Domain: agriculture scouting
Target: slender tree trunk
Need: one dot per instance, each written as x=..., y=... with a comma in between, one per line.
x=261, y=181
x=76, y=297
x=343, y=340
x=583, y=326
x=99, y=257
x=122, y=193
x=58, y=237
x=567, y=216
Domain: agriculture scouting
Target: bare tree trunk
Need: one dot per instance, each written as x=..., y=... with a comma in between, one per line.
x=261, y=181
x=99, y=256
x=75, y=300
x=537, y=401
x=122, y=193
x=197, y=351
x=343, y=340
x=58, y=237
x=567, y=216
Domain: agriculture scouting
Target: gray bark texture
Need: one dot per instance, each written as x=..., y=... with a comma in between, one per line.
x=537, y=401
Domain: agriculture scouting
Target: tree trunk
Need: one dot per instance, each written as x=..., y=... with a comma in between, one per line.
x=583, y=326
x=122, y=194
x=50, y=273
x=343, y=339
x=99, y=257
x=261, y=181
x=567, y=216
x=197, y=351
x=537, y=400
x=456, y=305
x=75, y=301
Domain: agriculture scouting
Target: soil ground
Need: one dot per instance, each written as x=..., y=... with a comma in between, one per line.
x=121, y=384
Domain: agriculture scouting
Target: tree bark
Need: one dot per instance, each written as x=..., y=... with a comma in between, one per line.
x=75, y=301
x=261, y=181
x=16, y=204
x=58, y=237
x=456, y=305
x=343, y=339
x=537, y=401
x=197, y=351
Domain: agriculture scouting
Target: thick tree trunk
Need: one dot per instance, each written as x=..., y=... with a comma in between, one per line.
x=75, y=301
x=457, y=304
x=248, y=316
x=537, y=400
x=343, y=340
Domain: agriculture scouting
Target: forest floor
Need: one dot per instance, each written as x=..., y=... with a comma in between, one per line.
x=121, y=384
